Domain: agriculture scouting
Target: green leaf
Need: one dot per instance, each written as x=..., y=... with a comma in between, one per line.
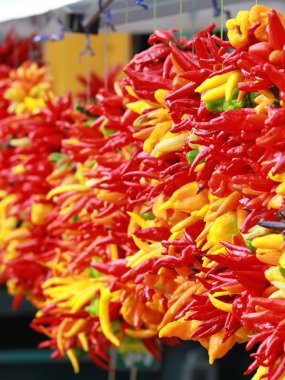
x=146, y=215
x=282, y=271
x=91, y=164
x=93, y=308
x=191, y=155
x=56, y=158
x=62, y=167
x=116, y=326
x=93, y=273
x=75, y=218
x=23, y=142
x=79, y=352
x=106, y=132
x=249, y=245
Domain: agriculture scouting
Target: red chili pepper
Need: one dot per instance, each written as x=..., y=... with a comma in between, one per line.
x=201, y=52
x=154, y=233
x=115, y=268
x=151, y=81
x=167, y=66
x=222, y=43
x=141, y=269
x=277, y=77
x=202, y=333
x=185, y=259
x=162, y=35
x=251, y=33
x=273, y=304
x=276, y=31
x=201, y=33
x=185, y=91
x=262, y=49
x=98, y=362
x=153, y=347
x=263, y=84
x=182, y=58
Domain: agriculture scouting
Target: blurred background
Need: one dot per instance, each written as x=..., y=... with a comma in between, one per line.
x=115, y=35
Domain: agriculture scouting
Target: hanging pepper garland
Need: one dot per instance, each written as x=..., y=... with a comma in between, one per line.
x=163, y=217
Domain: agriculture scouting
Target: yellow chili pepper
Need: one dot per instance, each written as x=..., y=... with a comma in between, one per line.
x=275, y=202
x=65, y=189
x=214, y=93
x=271, y=241
x=214, y=82
x=232, y=83
x=223, y=306
x=217, y=348
x=151, y=118
x=77, y=327
x=174, y=142
x=18, y=169
x=186, y=199
x=39, y=211
x=105, y=322
x=156, y=135
x=145, y=256
x=184, y=223
x=141, y=105
x=281, y=189
x=223, y=228
x=237, y=29
x=141, y=334
x=84, y=341
x=228, y=203
x=160, y=95
x=180, y=329
x=73, y=359
x=259, y=13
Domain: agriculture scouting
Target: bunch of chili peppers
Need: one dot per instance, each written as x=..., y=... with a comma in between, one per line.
x=166, y=203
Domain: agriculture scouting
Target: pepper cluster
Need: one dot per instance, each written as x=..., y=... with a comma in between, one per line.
x=164, y=217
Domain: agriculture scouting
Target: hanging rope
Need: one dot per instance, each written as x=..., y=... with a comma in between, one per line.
x=106, y=60
x=222, y=19
x=180, y=17
x=52, y=36
x=126, y=27
x=220, y=11
x=90, y=52
x=141, y=3
x=107, y=15
x=154, y=15
x=193, y=17
x=88, y=48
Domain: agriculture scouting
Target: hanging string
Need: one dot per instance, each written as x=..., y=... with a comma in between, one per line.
x=193, y=17
x=52, y=36
x=107, y=15
x=31, y=51
x=141, y=3
x=180, y=17
x=222, y=19
x=220, y=11
x=154, y=15
x=62, y=68
x=88, y=48
x=134, y=373
x=90, y=52
x=106, y=63
x=126, y=27
x=113, y=358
